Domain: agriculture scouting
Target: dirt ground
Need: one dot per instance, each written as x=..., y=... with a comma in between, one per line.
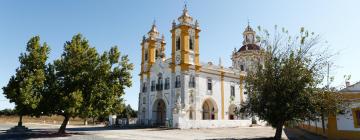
x=55, y=119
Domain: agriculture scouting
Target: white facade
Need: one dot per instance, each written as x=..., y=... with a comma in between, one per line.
x=181, y=92
x=349, y=121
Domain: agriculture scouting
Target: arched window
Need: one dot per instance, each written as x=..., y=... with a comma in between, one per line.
x=191, y=44
x=191, y=114
x=159, y=86
x=192, y=81
x=209, y=84
x=242, y=67
x=232, y=91
x=146, y=55
x=156, y=53
x=167, y=83
x=177, y=81
x=144, y=87
x=153, y=85
x=178, y=43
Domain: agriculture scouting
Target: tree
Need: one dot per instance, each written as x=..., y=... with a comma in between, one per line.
x=7, y=112
x=84, y=83
x=113, y=75
x=285, y=87
x=25, y=87
x=128, y=112
x=72, y=76
x=328, y=102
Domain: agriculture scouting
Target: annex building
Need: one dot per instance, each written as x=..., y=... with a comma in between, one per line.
x=181, y=91
x=345, y=125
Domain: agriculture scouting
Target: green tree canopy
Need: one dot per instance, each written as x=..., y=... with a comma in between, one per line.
x=285, y=87
x=84, y=83
x=26, y=86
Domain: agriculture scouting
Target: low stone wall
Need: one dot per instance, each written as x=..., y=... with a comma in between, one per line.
x=189, y=124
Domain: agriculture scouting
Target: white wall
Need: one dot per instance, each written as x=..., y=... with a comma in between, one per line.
x=346, y=121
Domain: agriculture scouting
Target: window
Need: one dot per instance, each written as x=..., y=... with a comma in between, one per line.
x=242, y=67
x=191, y=115
x=153, y=85
x=191, y=44
x=209, y=84
x=232, y=91
x=156, y=53
x=178, y=43
x=159, y=86
x=144, y=100
x=177, y=81
x=167, y=83
x=192, y=81
x=144, y=87
x=356, y=117
x=146, y=55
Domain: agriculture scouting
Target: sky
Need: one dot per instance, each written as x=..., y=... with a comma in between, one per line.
x=107, y=23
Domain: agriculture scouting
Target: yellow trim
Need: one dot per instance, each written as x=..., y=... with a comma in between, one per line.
x=355, y=117
x=142, y=57
x=222, y=96
x=241, y=89
x=172, y=50
x=163, y=49
x=184, y=38
x=151, y=52
x=197, y=61
x=350, y=96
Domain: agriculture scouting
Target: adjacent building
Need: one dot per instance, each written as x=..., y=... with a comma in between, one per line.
x=345, y=125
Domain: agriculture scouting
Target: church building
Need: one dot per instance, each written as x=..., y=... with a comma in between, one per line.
x=181, y=91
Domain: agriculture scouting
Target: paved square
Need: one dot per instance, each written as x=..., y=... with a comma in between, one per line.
x=90, y=133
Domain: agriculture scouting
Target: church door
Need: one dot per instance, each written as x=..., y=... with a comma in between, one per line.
x=206, y=111
x=160, y=111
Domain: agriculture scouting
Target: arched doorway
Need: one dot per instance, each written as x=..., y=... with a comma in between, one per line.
x=232, y=109
x=209, y=109
x=159, y=112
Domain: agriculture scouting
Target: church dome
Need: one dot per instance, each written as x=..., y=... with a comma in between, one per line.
x=249, y=47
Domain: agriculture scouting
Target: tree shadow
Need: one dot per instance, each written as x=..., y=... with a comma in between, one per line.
x=102, y=128
x=35, y=133
x=265, y=138
x=161, y=129
x=299, y=134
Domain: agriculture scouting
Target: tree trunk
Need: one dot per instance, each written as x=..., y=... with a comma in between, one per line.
x=20, y=120
x=323, y=122
x=278, y=132
x=85, y=122
x=63, y=125
x=93, y=120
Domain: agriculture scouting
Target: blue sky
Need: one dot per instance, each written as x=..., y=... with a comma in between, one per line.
x=113, y=22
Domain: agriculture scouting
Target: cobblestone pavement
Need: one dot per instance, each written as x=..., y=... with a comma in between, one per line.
x=89, y=133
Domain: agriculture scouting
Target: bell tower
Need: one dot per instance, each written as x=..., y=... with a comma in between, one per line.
x=249, y=35
x=152, y=49
x=185, y=42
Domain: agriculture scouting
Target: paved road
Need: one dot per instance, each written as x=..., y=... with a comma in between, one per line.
x=89, y=133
